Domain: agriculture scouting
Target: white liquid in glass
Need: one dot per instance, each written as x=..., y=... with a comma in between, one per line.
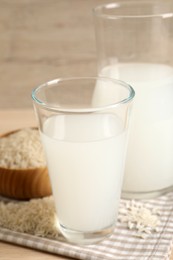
x=149, y=165
x=85, y=156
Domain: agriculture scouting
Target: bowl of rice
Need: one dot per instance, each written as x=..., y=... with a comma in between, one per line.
x=23, y=171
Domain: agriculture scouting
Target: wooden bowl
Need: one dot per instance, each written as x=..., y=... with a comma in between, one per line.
x=24, y=183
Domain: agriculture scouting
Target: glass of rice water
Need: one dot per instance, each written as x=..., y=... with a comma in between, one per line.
x=84, y=125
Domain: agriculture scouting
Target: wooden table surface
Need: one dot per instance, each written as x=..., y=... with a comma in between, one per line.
x=11, y=120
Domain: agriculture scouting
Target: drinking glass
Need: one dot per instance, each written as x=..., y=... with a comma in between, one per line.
x=134, y=43
x=83, y=125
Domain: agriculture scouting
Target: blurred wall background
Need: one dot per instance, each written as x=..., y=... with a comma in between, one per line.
x=41, y=40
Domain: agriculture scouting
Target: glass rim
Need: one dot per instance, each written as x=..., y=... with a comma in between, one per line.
x=45, y=105
x=118, y=4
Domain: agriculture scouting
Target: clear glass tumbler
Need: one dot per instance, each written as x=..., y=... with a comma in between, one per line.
x=135, y=44
x=85, y=137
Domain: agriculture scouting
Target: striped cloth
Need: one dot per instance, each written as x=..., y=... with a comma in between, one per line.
x=122, y=245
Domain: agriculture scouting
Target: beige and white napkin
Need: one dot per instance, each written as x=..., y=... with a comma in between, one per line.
x=122, y=245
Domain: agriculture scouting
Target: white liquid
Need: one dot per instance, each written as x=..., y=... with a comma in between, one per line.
x=149, y=165
x=85, y=156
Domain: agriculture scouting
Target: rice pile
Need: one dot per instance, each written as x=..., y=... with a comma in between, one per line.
x=139, y=218
x=22, y=150
x=36, y=217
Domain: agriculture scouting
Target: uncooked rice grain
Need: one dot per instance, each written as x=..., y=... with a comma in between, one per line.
x=36, y=217
x=139, y=218
x=22, y=150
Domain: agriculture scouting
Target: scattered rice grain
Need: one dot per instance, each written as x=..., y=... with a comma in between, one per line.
x=139, y=218
x=36, y=217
